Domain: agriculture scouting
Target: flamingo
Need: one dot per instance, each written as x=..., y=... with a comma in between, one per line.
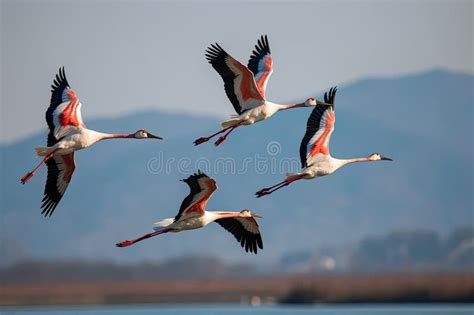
x=193, y=215
x=67, y=134
x=245, y=87
x=316, y=160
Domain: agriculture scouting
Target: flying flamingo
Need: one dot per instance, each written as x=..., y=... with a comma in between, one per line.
x=245, y=87
x=193, y=215
x=67, y=134
x=316, y=160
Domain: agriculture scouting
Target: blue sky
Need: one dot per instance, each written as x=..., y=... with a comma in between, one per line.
x=123, y=57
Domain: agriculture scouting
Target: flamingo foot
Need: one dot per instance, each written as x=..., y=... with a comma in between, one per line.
x=219, y=141
x=263, y=192
x=27, y=177
x=201, y=140
x=124, y=243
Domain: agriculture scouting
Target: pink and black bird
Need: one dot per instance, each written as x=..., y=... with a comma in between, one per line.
x=67, y=134
x=245, y=87
x=193, y=215
x=316, y=160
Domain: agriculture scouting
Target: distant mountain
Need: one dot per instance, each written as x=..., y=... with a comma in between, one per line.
x=415, y=250
x=422, y=121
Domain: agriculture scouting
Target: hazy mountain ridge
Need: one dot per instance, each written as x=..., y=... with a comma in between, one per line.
x=115, y=196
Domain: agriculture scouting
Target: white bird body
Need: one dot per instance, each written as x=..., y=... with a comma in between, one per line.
x=254, y=115
x=78, y=138
x=190, y=223
x=245, y=87
x=322, y=165
x=326, y=165
x=84, y=138
x=193, y=215
x=314, y=149
x=67, y=134
x=195, y=220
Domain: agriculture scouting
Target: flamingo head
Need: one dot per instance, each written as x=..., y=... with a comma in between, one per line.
x=143, y=134
x=378, y=157
x=246, y=213
x=310, y=102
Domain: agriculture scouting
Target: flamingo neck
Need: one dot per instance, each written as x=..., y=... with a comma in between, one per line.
x=354, y=160
x=105, y=136
x=364, y=159
x=223, y=215
x=290, y=106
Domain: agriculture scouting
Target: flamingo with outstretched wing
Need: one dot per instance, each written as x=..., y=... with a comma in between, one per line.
x=67, y=134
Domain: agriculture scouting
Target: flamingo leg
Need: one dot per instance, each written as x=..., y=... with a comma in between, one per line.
x=28, y=175
x=131, y=242
x=269, y=190
x=271, y=187
x=224, y=137
x=205, y=139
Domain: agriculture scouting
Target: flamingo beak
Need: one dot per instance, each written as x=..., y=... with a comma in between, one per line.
x=385, y=158
x=257, y=215
x=154, y=137
x=322, y=103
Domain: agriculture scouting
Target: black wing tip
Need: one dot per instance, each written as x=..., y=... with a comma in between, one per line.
x=260, y=241
x=214, y=48
x=261, y=49
x=264, y=38
x=48, y=207
x=60, y=79
x=214, y=52
x=330, y=96
x=262, y=45
x=252, y=245
x=265, y=41
x=61, y=73
x=49, y=203
x=197, y=175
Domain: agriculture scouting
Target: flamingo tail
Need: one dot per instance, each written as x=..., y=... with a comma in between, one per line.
x=229, y=123
x=43, y=151
x=160, y=225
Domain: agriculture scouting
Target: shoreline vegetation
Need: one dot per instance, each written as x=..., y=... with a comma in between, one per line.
x=289, y=289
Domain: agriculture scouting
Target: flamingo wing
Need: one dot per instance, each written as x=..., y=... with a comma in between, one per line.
x=202, y=187
x=64, y=110
x=261, y=63
x=239, y=82
x=60, y=170
x=245, y=231
x=319, y=128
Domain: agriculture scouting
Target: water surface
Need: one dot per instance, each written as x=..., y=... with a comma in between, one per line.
x=200, y=309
